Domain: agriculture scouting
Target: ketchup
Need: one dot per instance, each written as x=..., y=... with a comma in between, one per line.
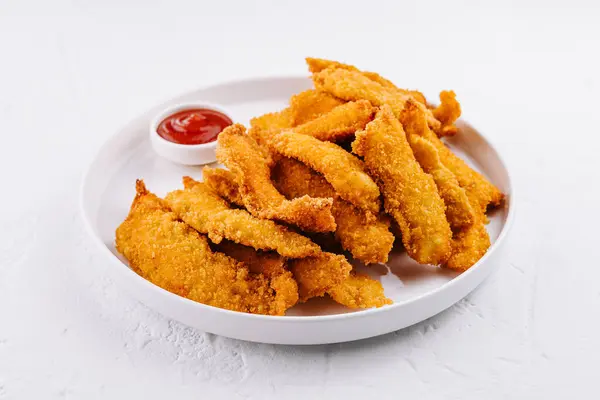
x=195, y=126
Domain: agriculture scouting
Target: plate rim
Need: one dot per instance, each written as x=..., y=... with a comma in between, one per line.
x=117, y=263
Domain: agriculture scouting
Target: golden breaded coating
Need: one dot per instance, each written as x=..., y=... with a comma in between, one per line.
x=276, y=120
x=469, y=244
x=359, y=291
x=222, y=181
x=203, y=209
x=345, y=172
x=351, y=86
x=262, y=126
x=418, y=96
x=480, y=191
x=304, y=106
x=459, y=212
x=319, y=64
x=269, y=264
x=251, y=166
x=356, y=291
x=303, y=191
x=295, y=179
x=410, y=194
x=470, y=239
x=317, y=274
x=287, y=290
x=340, y=123
x=447, y=113
x=308, y=105
x=172, y=255
x=367, y=239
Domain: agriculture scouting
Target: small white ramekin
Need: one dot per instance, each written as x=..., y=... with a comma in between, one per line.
x=186, y=154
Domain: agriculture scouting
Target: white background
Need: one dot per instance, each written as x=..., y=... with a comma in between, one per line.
x=72, y=72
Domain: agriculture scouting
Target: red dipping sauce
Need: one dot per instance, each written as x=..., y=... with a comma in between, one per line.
x=194, y=126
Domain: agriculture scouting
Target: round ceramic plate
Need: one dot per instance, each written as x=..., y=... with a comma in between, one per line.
x=418, y=292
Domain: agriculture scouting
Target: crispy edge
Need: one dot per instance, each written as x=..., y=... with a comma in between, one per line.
x=367, y=239
x=304, y=107
x=317, y=274
x=269, y=264
x=318, y=64
x=280, y=119
x=481, y=192
x=222, y=182
x=340, y=123
x=410, y=194
x=470, y=241
x=201, y=208
x=344, y=171
x=469, y=244
x=251, y=165
x=447, y=113
x=351, y=85
x=359, y=291
x=308, y=105
x=170, y=254
x=459, y=212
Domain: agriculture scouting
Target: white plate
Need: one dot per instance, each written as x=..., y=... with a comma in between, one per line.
x=418, y=292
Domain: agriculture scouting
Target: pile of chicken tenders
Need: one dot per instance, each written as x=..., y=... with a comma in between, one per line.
x=341, y=173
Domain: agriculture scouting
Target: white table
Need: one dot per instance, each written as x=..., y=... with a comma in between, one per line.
x=71, y=73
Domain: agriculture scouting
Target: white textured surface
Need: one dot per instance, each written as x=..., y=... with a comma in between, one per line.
x=71, y=74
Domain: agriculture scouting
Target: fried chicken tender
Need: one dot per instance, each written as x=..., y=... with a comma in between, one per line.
x=172, y=255
x=359, y=291
x=304, y=106
x=367, y=239
x=251, y=166
x=469, y=244
x=222, y=182
x=340, y=123
x=318, y=274
x=202, y=209
x=482, y=193
x=275, y=120
x=308, y=105
x=355, y=291
x=318, y=64
x=345, y=172
x=227, y=187
x=352, y=85
x=447, y=113
x=410, y=195
x=269, y=264
x=470, y=239
x=459, y=212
